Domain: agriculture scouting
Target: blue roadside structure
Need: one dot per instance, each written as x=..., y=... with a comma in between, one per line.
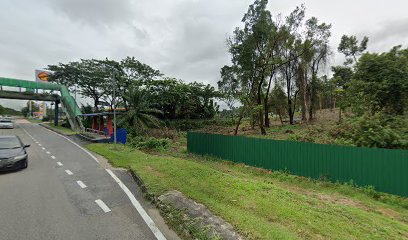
x=101, y=132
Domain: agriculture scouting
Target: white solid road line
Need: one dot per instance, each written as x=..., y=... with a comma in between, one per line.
x=156, y=231
x=159, y=235
x=60, y=164
x=68, y=172
x=76, y=144
x=81, y=184
x=53, y=157
x=102, y=205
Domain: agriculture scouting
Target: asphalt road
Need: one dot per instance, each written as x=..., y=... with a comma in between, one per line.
x=66, y=194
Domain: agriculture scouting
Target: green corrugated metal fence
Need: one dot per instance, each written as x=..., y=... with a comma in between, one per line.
x=385, y=169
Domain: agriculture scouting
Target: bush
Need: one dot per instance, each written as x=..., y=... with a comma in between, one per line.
x=46, y=119
x=190, y=124
x=141, y=142
x=379, y=130
x=163, y=133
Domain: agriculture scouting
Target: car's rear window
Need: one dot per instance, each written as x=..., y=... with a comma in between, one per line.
x=5, y=120
x=9, y=142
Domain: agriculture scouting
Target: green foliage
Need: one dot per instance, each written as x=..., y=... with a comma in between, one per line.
x=140, y=115
x=108, y=82
x=145, y=142
x=46, y=119
x=10, y=111
x=34, y=108
x=267, y=205
x=380, y=83
x=350, y=47
x=85, y=109
x=229, y=87
x=178, y=100
x=278, y=102
x=187, y=124
x=342, y=75
x=379, y=130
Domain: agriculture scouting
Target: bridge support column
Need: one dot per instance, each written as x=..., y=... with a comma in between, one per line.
x=56, y=111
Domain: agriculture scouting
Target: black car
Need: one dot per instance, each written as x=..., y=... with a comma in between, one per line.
x=13, y=154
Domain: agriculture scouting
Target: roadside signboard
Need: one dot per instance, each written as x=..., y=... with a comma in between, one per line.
x=42, y=75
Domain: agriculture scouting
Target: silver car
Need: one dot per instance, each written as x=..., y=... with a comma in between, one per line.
x=6, y=123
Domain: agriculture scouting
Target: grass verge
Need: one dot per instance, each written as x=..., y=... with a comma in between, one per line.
x=269, y=205
x=32, y=120
x=64, y=130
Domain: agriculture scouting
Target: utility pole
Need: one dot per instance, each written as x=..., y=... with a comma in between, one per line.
x=114, y=108
x=30, y=109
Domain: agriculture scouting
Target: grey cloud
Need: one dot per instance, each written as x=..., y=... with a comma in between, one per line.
x=182, y=38
x=388, y=34
x=103, y=12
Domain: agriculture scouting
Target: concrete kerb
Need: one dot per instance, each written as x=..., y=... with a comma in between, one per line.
x=53, y=129
x=194, y=213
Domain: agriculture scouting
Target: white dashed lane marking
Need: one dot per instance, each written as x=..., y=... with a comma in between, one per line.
x=102, y=205
x=81, y=184
x=43, y=148
x=158, y=234
x=68, y=172
x=48, y=152
x=60, y=164
x=53, y=157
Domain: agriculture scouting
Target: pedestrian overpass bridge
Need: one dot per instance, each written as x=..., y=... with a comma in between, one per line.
x=70, y=106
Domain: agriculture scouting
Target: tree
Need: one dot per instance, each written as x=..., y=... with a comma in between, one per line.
x=278, y=102
x=112, y=74
x=34, y=108
x=317, y=51
x=293, y=50
x=256, y=56
x=249, y=49
x=134, y=71
x=351, y=48
x=140, y=115
x=380, y=83
x=229, y=88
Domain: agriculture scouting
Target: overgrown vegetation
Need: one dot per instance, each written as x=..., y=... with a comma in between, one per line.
x=9, y=111
x=62, y=128
x=267, y=205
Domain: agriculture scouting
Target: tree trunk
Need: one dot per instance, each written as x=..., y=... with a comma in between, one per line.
x=263, y=132
x=303, y=92
x=266, y=108
x=331, y=101
x=241, y=115
x=312, y=98
x=311, y=109
x=266, y=105
x=340, y=119
x=290, y=112
x=96, y=103
x=280, y=117
x=320, y=103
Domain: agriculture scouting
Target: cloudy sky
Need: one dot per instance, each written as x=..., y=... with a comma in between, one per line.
x=182, y=38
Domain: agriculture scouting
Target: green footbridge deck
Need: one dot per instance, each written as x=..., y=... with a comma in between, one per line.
x=71, y=107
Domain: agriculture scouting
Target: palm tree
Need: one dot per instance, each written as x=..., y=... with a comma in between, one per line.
x=140, y=115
